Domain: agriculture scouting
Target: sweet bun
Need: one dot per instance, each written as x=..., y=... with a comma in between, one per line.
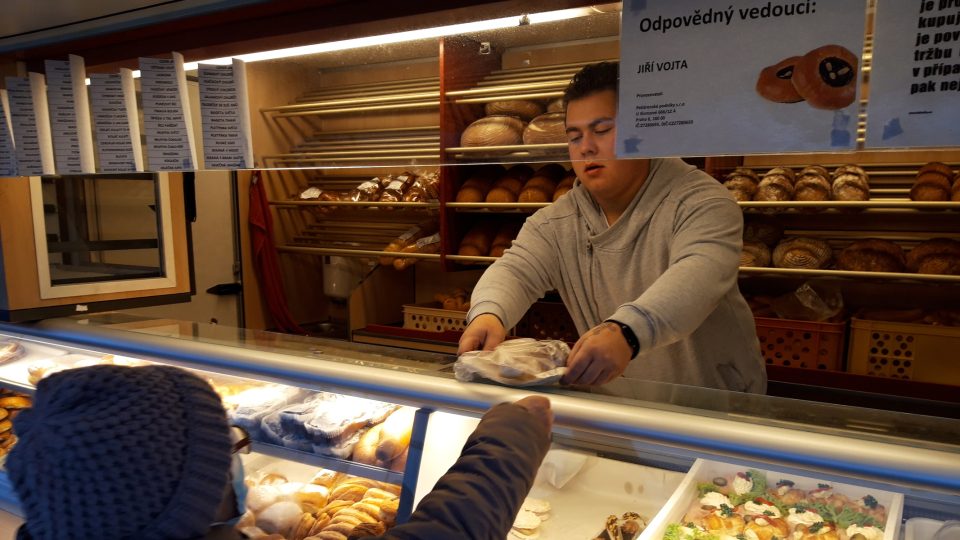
x=365, y=450
x=801, y=252
x=776, y=82
x=471, y=194
x=755, y=254
x=931, y=186
x=395, y=438
x=327, y=478
x=534, y=194
x=493, y=131
x=546, y=129
x=501, y=195
x=826, y=77
x=937, y=256
x=521, y=108
x=872, y=256
x=368, y=529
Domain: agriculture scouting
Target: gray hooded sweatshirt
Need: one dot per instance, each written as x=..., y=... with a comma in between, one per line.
x=667, y=268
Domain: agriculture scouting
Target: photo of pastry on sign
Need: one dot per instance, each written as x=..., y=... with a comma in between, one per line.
x=826, y=78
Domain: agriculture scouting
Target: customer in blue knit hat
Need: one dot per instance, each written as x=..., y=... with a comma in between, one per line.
x=120, y=452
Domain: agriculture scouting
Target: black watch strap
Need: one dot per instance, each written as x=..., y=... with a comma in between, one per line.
x=629, y=336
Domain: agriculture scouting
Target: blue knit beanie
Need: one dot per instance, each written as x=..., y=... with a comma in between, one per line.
x=121, y=452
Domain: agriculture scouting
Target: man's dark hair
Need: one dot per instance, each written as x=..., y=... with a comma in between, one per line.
x=591, y=79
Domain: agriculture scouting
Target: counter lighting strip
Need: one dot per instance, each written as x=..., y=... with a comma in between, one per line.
x=874, y=460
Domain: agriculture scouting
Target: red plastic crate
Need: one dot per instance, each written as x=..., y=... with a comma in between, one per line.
x=803, y=344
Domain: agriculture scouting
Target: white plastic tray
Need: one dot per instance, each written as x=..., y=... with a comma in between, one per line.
x=705, y=470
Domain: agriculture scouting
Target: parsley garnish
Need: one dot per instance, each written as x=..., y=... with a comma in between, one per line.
x=784, y=482
x=816, y=527
x=823, y=486
x=870, y=502
x=726, y=511
x=768, y=513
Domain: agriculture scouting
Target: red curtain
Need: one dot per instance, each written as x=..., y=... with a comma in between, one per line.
x=265, y=258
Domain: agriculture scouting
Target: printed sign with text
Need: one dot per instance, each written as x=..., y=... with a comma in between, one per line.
x=746, y=77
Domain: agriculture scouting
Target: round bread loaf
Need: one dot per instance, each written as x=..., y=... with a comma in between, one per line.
x=521, y=172
x=553, y=171
x=800, y=252
x=785, y=171
x=931, y=185
x=766, y=231
x=851, y=186
x=509, y=182
x=543, y=182
x=556, y=105
x=534, y=194
x=936, y=256
x=493, y=131
x=755, y=254
x=501, y=195
x=546, y=129
x=849, y=169
x=812, y=186
x=816, y=169
x=561, y=191
x=742, y=186
x=938, y=167
x=774, y=187
x=955, y=190
x=471, y=194
x=872, y=256
x=521, y=108
x=743, y=171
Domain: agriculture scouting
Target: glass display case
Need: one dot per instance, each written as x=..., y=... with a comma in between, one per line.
x=641, y=449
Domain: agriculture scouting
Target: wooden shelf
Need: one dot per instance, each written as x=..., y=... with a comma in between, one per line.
x=846, y=274
x=359, y=204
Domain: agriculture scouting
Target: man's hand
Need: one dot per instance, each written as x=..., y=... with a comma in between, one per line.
x=484, y=332
x=539, y=406
x=598, y=357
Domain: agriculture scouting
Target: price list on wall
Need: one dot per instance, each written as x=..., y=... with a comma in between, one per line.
x=166, y=114
x=115, y=118
x=69, y=116
x=30, y=122
x=8, y=159
x=225, y=117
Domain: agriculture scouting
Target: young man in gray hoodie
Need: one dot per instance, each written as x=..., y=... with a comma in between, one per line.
x=644, y=254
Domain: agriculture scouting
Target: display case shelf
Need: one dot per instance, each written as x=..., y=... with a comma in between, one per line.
x=327, y=462
x=846, y=274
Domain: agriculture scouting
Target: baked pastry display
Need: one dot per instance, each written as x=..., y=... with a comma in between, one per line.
x=742, y=183
x=746, y=505
x=763, y=230
x=755, y=254
x=565, y=185
x=11, y=403
x=546, y=129
x=493, y=131
x=776, y=82
x=937, y=167
x=626, y=527
x=39, y=369
x=332, y=506
x=803, y=253
x=10, y=350
x=826, y=77
x=955, y=190
x=936, y=256
x=556, y=105
x=523, y=109
x=872, y=256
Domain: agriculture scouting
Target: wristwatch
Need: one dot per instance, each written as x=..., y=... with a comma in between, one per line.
x=629, y=336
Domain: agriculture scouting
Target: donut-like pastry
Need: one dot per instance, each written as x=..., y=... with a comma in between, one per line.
x=827, y=77
x=776, y=82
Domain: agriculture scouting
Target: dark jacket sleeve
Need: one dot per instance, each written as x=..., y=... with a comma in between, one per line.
x=480, y=496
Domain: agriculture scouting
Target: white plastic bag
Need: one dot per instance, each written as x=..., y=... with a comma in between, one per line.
x=516, y=362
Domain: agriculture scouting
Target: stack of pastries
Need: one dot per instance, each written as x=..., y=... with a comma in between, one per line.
x=746, y=505
x=332, y=506
x=11, y=403
x=812, y=183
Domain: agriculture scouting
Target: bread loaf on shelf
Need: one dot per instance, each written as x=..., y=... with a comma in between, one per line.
x=955, y=190
x=774, y=186
x=931, y=186
x=872, y=256
x=937, y=167
x=812, y=185
x=755, y=254
x=767, y=231
x=803, y=253
x=493, y=131
x=936, y=256
x=546, y=129
x=742, y=183
x=850, y=183
x=523, y=109
x=564, y=186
